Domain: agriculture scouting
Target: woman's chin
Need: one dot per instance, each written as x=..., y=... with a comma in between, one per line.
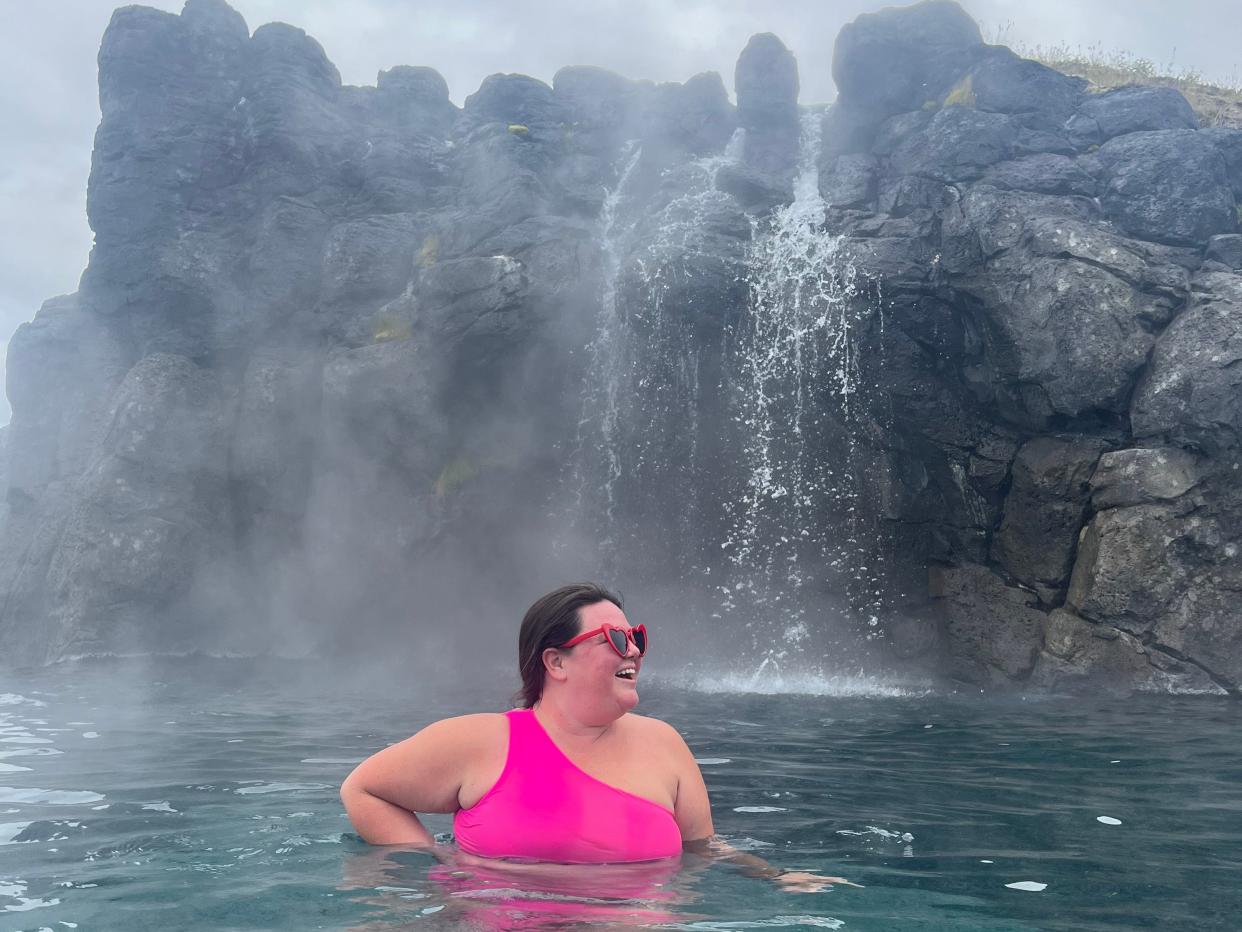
x=627, y=694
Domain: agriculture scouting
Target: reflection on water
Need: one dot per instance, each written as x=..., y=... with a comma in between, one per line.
x=206, y=799
x=459, y=889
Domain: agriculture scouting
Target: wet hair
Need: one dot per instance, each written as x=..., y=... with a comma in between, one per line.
x=550, y=622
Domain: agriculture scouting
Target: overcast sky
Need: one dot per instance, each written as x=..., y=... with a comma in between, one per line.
x=49, y=103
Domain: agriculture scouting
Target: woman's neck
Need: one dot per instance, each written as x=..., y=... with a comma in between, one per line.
x=555, y=714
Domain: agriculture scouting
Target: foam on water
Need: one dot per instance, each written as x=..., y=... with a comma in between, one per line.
x=264, y=788
x=15, y=699
x=32, y=794
x=776, y=683
x=10, y=830
x=14, y=890
x=780, y=922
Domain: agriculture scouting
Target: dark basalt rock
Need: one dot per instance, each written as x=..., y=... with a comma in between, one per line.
x=766, y=81
x=1038, y=96
x=1085, y=658
x=328, y=356
x=1045, y=173
x=1044, y=511
x=1168, y=186
x=1144, y=476
x=956, y=145
x=1225, y=249
x=902, y=57
x=1228, y=141
x=1136, y=566
x=694, y=118
x=513, y=99
x=1192, y=391
x=1102, y=117
x=995, y=630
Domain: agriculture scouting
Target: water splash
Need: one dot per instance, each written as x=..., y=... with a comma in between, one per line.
x=637, y=434
x=797, y=531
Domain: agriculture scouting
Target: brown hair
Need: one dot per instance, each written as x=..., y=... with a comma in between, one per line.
x=550, y=622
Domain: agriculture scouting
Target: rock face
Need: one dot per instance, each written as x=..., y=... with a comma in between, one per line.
x=356, y=353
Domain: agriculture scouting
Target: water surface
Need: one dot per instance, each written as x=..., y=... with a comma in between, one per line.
x=203, y=795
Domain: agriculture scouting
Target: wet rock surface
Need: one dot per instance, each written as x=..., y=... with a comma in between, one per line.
x=328, y=356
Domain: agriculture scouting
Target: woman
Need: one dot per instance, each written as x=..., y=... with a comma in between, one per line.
x=571, y=776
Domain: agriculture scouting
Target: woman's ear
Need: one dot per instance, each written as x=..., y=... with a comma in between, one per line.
x=554, y=663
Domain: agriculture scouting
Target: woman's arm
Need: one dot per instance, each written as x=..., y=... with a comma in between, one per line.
x=420, y=774
x=716, y=848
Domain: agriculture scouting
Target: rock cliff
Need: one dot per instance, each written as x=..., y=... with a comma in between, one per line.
x=959, y=357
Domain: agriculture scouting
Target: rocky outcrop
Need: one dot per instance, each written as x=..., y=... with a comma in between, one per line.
x=346, y=354
x=1077, y=267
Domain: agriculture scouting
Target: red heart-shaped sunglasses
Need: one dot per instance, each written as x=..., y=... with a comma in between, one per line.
x=619, y=639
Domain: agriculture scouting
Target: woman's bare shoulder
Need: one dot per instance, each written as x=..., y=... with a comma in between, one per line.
x=475, y=727
x=653, y=728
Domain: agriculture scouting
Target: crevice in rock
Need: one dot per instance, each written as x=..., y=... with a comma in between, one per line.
x=1148, y=640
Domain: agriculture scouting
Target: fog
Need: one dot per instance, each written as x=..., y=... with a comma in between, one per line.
x=49, y=98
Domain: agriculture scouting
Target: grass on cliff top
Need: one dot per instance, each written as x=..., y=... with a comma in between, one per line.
x=1216, y=104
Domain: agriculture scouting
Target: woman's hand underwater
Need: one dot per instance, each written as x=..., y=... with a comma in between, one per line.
x=809, y=882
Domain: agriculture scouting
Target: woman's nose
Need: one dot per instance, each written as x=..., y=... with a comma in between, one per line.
x=631, y=649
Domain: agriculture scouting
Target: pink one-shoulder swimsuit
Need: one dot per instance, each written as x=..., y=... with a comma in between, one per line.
x=546, y=808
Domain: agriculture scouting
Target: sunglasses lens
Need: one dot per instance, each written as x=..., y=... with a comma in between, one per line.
x=640, y=639
x=618, y=639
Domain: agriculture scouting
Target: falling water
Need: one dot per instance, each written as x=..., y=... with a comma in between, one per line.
x=636, y=446
x=719, y=442
x=798, y=534
x=608, y=360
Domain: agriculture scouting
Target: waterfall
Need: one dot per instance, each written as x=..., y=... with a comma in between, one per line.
x=607, y=354
x=718, y=449
x=799, y=533
x=636, y=445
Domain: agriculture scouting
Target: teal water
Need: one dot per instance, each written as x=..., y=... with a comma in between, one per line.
x=203, y=796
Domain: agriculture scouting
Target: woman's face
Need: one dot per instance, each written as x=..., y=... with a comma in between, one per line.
x=599, y=678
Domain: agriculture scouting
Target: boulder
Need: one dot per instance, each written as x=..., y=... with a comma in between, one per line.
x=766, y=84
x=902, y=57
x=475, y=298
x=1168, y=186
x=1142, y=476
x=1038, y=97
x=1085, y=658
x=513, y=99
x=1044, y=511
x=366, y=261
x=1068, y=306
x=851, y=182
x=994, y=632
x=1168, y=575
x=1191, y=393
x=694, y=118
x=1133, y=109
x=1228, y=142
x=603, y=106
x=1225, y=249
x=416, y=98
x=1044, y=173
x=956, y=145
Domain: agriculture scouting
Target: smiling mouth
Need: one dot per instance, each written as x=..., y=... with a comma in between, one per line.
x=628, y=675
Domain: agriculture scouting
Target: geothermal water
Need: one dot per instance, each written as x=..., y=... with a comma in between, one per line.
x=207, y=799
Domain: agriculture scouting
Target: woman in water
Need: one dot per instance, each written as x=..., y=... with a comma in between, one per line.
x=571, y=776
